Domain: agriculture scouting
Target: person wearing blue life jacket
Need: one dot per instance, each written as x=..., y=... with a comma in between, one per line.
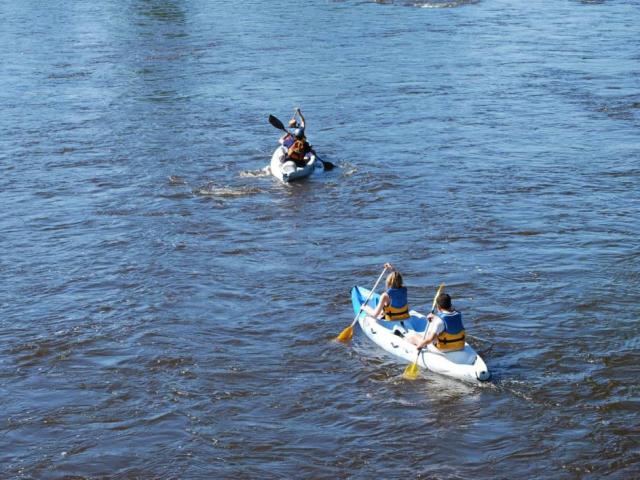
x=393, y=305
x=445, y=330
x=288, y=139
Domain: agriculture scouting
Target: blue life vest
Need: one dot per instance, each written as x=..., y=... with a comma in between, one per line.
x=399, y=307
x=452, y=338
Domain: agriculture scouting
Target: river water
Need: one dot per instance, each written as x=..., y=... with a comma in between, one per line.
x=167, y=308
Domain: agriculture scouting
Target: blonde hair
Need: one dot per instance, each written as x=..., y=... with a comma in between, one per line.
x=394, y=280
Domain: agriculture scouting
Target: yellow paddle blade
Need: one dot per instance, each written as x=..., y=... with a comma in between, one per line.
x=346, y=334
x=411, y=372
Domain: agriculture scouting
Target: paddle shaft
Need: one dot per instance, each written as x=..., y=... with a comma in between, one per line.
x=375, y=285
x=433, y=308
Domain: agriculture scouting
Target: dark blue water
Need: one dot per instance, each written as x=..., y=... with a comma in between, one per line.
x=167, y=308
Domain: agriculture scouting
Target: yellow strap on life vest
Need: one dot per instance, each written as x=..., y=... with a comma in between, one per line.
x=393, y=313
x=448, y=341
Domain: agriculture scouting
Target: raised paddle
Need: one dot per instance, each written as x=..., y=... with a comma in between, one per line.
x=347, y=333
x=275, y=121
x=411, y=372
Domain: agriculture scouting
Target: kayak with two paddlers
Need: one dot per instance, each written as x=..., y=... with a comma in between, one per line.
x=435, y=342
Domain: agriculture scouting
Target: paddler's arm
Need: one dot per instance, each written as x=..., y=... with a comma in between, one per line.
x=431, y=332
x=302, y=124
x=428, y=339
x=375, y=312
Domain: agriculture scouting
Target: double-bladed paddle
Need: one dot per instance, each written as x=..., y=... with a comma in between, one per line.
x=280, y=126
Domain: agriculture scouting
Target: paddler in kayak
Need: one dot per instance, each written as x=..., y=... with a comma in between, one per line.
x=393, y=305
x=445, y=330
x=300, y=147
x=287, y=139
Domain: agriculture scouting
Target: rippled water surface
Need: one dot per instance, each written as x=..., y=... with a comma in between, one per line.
x=167, y=307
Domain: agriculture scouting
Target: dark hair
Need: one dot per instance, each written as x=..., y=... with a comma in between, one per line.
x=444, y=301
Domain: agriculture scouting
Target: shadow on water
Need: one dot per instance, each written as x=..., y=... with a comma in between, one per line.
x=163, y=11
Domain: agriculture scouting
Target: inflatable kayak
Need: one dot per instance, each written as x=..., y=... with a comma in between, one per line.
x=463, y=364
x=287, y=171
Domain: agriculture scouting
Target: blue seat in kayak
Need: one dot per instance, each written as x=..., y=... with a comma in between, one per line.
x=417, y=323
x=414, y=323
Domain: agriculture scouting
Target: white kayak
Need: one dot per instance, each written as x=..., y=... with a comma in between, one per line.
x=286, y=170
x=463, y=364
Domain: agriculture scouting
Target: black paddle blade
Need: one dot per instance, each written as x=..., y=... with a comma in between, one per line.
x=327, y=165
x=276, y=123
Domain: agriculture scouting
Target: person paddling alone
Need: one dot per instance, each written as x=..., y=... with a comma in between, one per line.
x=445, y=328
x=393, y=305
x=288, y=139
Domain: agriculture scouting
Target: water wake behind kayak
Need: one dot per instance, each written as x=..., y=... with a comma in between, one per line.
x=213, y=191
x=263, y=172
x=453, y=4
x=436, y=4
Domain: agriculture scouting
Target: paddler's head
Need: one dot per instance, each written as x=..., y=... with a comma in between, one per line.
x=394, y=280
x=444, y=302
x=293, y=123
